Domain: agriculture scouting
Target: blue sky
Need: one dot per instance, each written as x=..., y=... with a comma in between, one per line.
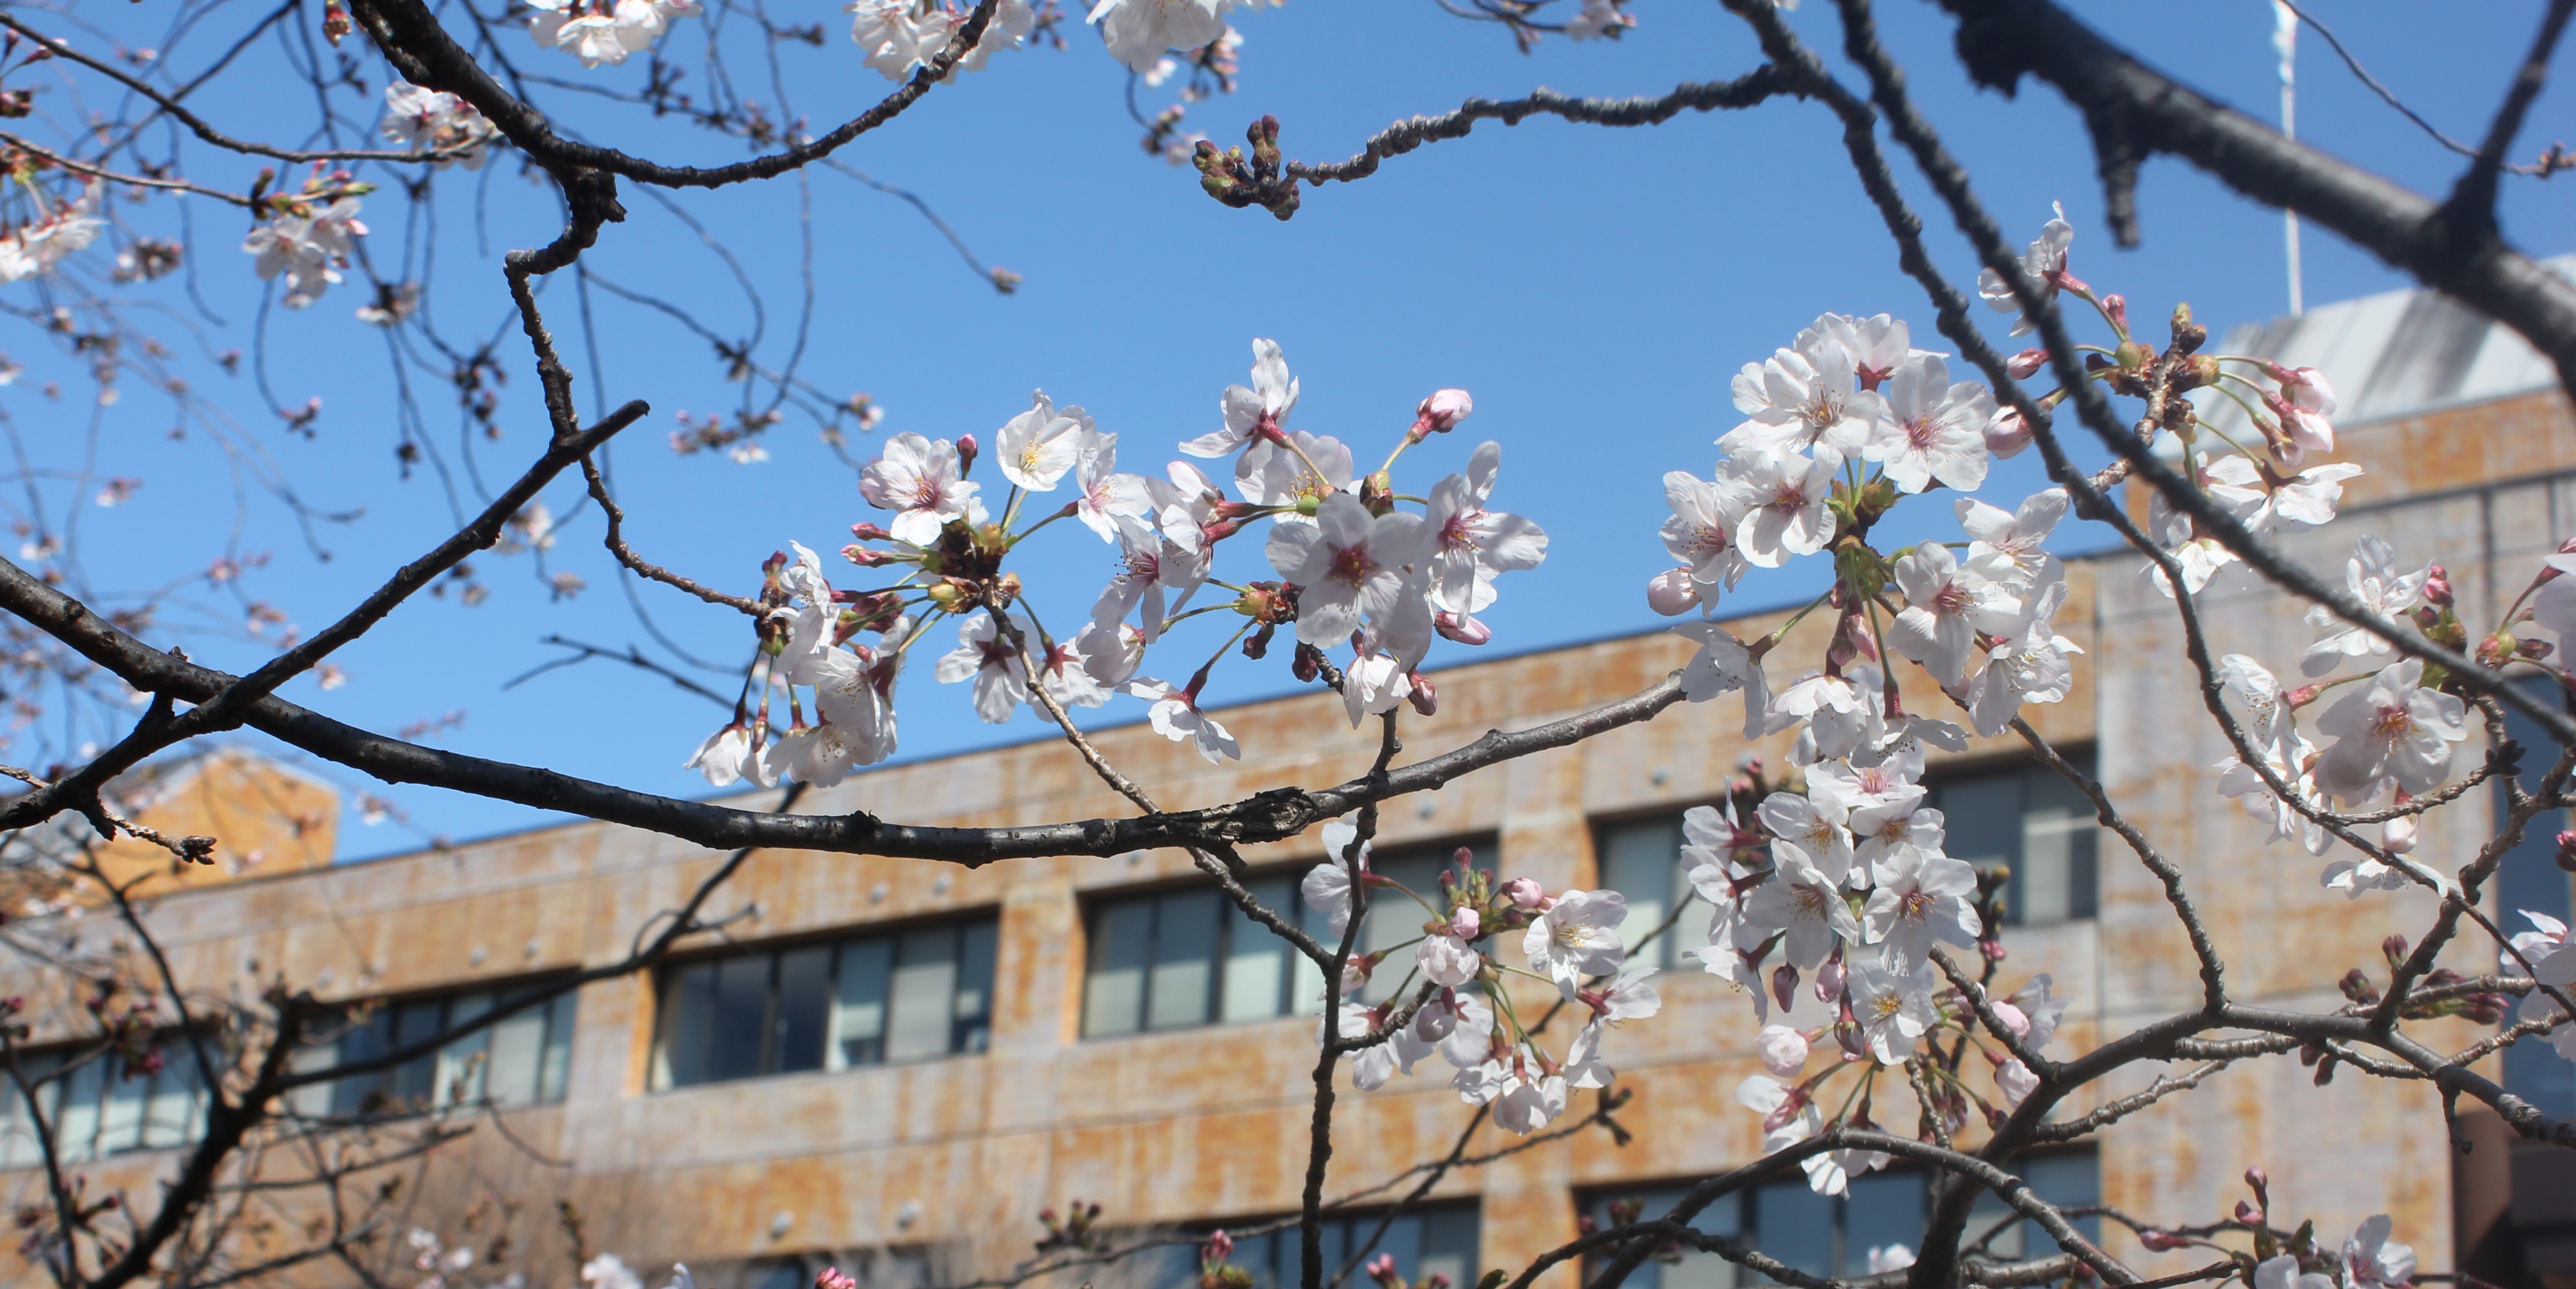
x=1594, y=289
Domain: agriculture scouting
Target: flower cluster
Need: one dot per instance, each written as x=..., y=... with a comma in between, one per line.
x=604, y=31
x=903, y=35
x=1354, y=567
x=64, y=227
x=1571, y=940
x=308, y=236
x=428, y=120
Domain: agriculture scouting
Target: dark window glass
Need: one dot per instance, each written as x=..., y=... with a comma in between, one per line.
x=1828, y=1235
x=521, y=1059
x=922, y=992
x=1436, y=1239
x=1180, y=958
x=2529, y=878
x=2027, y=817
x=1641, y=859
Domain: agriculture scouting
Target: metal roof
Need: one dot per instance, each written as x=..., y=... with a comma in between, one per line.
x=2396, y=354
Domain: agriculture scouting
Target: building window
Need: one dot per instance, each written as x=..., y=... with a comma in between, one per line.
x=1832, y=1235
x=1185, y=957
x=99, y=1107
x=520, y=1060
x=2529, y=878
x=908, y=995
x=2027, y=817
x=1433, y=1239
x=1641, y=859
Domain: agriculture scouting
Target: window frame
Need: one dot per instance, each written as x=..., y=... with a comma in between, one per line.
x=1302, y=983
x=969, y=1035
x=101, y=1078
x=348, y=1097
x=2083, y=876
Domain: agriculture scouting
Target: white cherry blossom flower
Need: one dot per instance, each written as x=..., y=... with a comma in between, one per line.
x=1934, y=430
x=1836, y=710
x=1150, y=567
x=1261, y=412
x=1886, y=1258
x=608, y=1271
x=1675, y=592
x=2391, y=729
x=1447, y=960
x=2310, y=404
x=2031, y=669
x=1783, y=1050
x=2008, y=547
x=2016, y=1082
x=1111, y=651
x=984, y=655
x=426, y=120
x=1471, y=1040
x=1471, y=545
x=1326, y=888
x=1801, y=904
x=1627, y=998
x=1782, y=497
x=1723, y=665
x=2370, y=1261
x=1107, y=496
x=37, y=246
x=1036, y=448
x=817, y=754
x=924, y=483
x=2547, y=936
x=2353, y=876
x=2276, y=1273
x=2045, y=262
x=722, y=757
x=1701, y=534
x=1802, y=401
x=1064, y=677
x=1387, y=651
x=1176, y=716
x=1578, y=936
x=1348, y=564
x=1947, y=608
x=1523, y=1099
x=1583, y=1065
x=2372, y=577
x=2554, y=608
x=309, y=249
x=1878, y=345
x=1816, y=824
x=1894, y=1006
x=2239, y=780
x=1922, y=898
x=1599, y=18
x=2308, y=499
x=1296, y=473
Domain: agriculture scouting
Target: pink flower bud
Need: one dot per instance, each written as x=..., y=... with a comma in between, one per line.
x=1783, y=1050
x=1461, y=627
x=2397, y=836
x=2437, y=588
x=2248, y=1213
x=2006, y=435
x=1524, y=893
x=2012, y=1017
x=2027, y=363
x=1424, y=695
x=868, y=532
x=2117, y=306
x=2159, y=1242
x=1382, y=1270
x=834, y=1278
x=1672, y=593
x=1464, y=924
x=1441, y=412
x=1355, y=973
x=865, y=557
x=1829, y=980
x=966, y=450
x=1784, y=984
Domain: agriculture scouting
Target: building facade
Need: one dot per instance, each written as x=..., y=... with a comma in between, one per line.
x=897, y=1065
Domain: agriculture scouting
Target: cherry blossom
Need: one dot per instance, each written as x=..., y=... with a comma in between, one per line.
x=985, y=655
x=817, y=754
x=1947, y=608
x=1816, y=824
x=608, y=1271
x=1326, y=888
x=1150, y=566
x=36, y=246
x=2370, y=1260
x=1802, y=902
x=1783, y=500
x=1878, y=345
x=2309, y=403
x=2371, y=575
x=2016, y=1082
x=2390, y=730
x=1067, y=680
x=1935, y=430
x=2239, y=780
x=1887, y=1258
x=1385, y=653
x=2009, y=547
x=2044, y=262
x=1578, y=936
x=1893, y=1003
x=1471, y=545
x=1805, y=399
x=2554, y=608
x=2031, y=669
x=1036, y=448
x=1138, y=32
x=1783, y=1050
x=1724, y=665
x=1110, y=651
x=1836, y=711
x=854, y=690
x=310, y=247
x=1261, y=412
x=1348, y=564
x=1107, y=496
x=1297, y=472
x=2352, y=876
x=1674, y=592
x=1524, y=1100
x=1176, y=716
x=604, y=31
x=428, y=120
x=1627, y=998
x=923, y=481
x=1920, y=899
x=1701, y=534
x=1599, y=18
x=1447, y=960
x=722, y=757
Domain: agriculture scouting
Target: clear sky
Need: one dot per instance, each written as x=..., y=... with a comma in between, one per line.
x=1595, y=289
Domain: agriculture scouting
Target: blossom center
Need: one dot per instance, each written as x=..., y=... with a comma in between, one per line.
x=1919, y=433
x=1352, y=564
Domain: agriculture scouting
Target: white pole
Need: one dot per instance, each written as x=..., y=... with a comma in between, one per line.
x=2285, y=41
